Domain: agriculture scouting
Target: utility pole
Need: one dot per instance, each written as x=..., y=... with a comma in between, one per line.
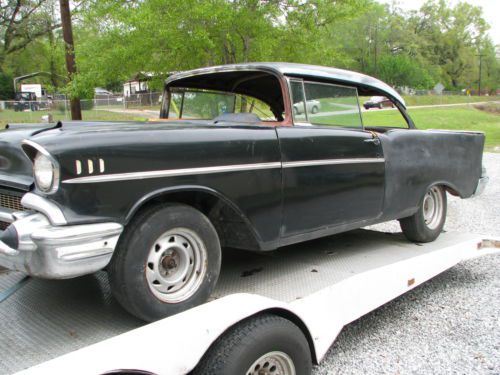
x=76, y=110
x=480, y=66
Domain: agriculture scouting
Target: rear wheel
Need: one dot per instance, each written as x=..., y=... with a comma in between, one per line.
x=167, y=261
x=263, y=345
x=428, y=222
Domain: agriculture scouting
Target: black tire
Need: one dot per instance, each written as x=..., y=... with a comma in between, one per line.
x=237, y=350
x=296, y=111
x=379, y=106
x=419, y=229
x=132, y=272
x=314, y=109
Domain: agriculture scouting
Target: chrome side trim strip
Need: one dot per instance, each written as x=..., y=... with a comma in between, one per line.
x=172, y=173
x=312, y=163
x=216, y=169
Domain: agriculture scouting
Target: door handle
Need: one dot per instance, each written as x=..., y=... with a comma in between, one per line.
x=375, y=141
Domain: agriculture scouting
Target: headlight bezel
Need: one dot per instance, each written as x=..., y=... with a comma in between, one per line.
x=36, y=152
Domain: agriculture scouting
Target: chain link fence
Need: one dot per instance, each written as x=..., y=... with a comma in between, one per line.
x=103, y=107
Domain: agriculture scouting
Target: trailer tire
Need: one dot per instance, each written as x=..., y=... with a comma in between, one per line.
x=265, y=342
x=166, y=261
x=428, y=222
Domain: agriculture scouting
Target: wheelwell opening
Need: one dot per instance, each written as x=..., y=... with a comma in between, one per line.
x=232, y=227
x=282, y=313
x=451, y=190
x=286, y=314
x=447, y=188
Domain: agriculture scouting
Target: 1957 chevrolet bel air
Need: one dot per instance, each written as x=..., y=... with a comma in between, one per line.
x=233, y=162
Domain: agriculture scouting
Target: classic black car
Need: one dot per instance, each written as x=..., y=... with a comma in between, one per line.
x=232, y=164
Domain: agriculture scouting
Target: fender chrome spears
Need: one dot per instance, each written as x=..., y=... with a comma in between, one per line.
x=216, y=169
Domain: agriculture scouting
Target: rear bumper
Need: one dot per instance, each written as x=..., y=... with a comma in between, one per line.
x=32, y=244
x=481, y=184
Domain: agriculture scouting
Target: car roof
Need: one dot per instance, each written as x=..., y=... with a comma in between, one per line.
x=303, y=71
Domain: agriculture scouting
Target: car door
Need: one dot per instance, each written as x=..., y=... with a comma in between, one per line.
x=333, y=170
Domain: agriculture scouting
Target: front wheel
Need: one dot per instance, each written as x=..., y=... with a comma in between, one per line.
x=266, y=344
x=428, y=222
x=167, y=261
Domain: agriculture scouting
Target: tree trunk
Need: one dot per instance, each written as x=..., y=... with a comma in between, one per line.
x=76, y=110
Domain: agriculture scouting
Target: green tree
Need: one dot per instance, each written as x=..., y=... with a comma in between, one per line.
x=450, y=37
x=402, y=70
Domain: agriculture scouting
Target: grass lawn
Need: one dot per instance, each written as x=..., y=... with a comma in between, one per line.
x=10, y=116
x=412, y=100
x=448, y=118
x=416, y=100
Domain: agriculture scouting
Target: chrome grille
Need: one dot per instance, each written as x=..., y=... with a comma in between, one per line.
x=11, y=202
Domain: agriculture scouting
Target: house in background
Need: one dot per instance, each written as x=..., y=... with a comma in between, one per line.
x=138, y=84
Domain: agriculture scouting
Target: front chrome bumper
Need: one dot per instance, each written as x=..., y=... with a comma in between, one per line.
x=46, y=250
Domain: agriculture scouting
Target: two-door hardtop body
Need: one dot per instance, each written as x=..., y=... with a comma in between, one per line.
x=230, y=164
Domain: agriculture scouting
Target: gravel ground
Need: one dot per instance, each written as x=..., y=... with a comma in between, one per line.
x=449, y=325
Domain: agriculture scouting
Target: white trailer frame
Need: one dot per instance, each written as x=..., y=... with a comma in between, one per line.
x=341, y=286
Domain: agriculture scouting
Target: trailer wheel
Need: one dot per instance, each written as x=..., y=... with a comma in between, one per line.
x=428, y=222
x=263, y=345
x=167, y=261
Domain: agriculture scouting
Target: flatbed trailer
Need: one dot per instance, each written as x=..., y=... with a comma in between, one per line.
x=75, y=326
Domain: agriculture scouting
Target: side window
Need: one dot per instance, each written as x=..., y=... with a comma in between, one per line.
x=298, y=105
x=328, y=104
x=390, y=117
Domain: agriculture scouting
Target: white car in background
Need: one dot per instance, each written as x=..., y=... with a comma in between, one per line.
x=312, y=106
x=99, y=91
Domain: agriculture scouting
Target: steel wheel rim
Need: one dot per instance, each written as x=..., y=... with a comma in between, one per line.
x=432, y=208
x=273, y=363
x=176, y=265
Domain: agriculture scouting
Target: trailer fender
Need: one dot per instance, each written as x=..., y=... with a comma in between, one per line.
x=149, y=348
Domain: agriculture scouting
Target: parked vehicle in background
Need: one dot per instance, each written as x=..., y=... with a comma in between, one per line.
x=312, y=106
x=231, y=165
x=378, y=102
x=99, y=91
x=25, y=101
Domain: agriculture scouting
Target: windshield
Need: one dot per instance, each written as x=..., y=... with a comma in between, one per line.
x=207, y=105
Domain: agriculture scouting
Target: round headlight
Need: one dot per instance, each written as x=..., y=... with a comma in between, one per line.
x=45, y=172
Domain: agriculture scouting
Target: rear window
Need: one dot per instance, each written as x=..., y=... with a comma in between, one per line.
x=207, y=105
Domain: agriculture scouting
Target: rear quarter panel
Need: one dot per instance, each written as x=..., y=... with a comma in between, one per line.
x=417, y=159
